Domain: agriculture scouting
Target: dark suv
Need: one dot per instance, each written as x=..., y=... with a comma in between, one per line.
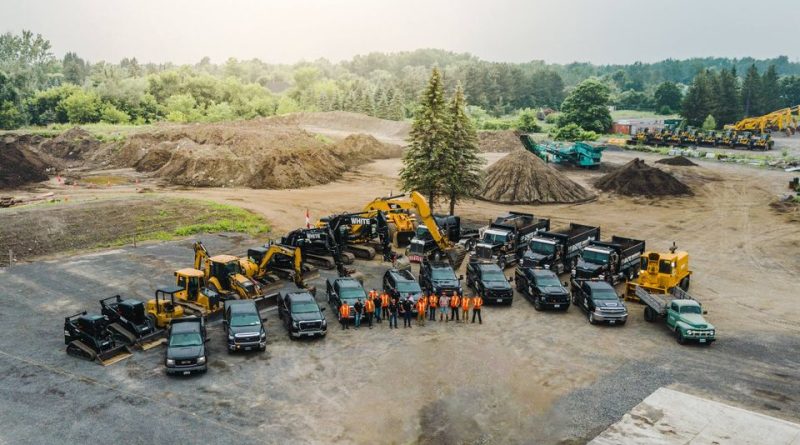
x=344, y=289
x=243, y=326
x=487, y=279
x=542, y=288
x=186, y=346
x=401, y=284
x=438, y=277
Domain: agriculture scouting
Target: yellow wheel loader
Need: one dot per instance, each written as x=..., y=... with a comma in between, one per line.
x=661, y=272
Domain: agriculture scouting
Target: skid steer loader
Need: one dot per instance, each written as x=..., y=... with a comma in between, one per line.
x=87, y=337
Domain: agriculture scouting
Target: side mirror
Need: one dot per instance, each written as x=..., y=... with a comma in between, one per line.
x=460, y=277
x=705, y=312
x=322, y=309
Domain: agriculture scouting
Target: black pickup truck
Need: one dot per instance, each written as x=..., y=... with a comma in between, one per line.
x=613, y=261
x=186, y=346
x=599, y=300
x=244, y=327
x=542, y=288
x=506, y=239
x=438, y=277
x=486, y=278
x=559, y=250
x=301, y=314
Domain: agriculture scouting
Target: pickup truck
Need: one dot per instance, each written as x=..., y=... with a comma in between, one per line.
x=301, y=314
x=244, y=328
x=681, y=313
x=613, y=261
x=542, y=288
x=486, y=278
x=439, y=278
x=599, y=300
x=186, y=346
x=344, y=290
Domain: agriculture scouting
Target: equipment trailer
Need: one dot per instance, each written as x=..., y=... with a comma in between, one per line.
x=681, y=312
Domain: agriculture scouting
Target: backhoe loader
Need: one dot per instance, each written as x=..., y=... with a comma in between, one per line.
x=660, y=272
x=224, y=275
x=162, y=311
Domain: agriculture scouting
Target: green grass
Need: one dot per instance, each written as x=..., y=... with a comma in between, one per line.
x=636, y=114
x=101, y=130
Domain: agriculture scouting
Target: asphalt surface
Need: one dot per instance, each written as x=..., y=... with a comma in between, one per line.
x=522, y=377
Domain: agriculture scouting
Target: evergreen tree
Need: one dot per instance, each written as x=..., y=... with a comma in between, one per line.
x=397, y=108
x=751, y=92
x=463, y=174
x=770, y=91
x=428, y=150
x=726, y=98
x=790, y=91
x=697, y=102
x=709, y=123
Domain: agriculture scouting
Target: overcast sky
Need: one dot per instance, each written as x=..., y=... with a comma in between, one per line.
x=562, y=31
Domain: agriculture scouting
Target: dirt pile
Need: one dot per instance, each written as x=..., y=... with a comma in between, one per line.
x=19, y=165
x=340, y=124
x=636, y=178
x=263, y=153
x=498, y=141
x=73, y=144
x=522, y=178
x=677, y=160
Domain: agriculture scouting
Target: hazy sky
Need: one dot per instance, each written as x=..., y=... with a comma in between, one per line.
x=621, y=31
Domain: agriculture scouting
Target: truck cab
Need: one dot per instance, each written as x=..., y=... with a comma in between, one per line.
x=613, y=261
x=505, y=240
x=439, y=278
x=542, y=288
x=301, y=315
x=186, y=346
x=685, y=318
x=488, y=280
x=599, y=300
x=244, y=328
x=559, y=250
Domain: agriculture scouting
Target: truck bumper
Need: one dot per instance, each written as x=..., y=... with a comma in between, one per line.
x=247, y=346
x=609, y=318
x=186, y=370
x=554, y=304
x=314, y=333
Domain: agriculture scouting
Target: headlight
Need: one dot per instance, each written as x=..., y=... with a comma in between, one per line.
x=230, y=337
x=295, y=324
x=201, y=360
x=170, y=362
x=263, y=335
x=690, y=332
x=324, y=322
x=546, y=266
x=572, y=272
x=712, y=332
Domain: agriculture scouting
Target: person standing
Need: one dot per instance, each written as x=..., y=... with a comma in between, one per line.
x=384, y=306
x=477, y=302
x=455, y=302
x=422, y=307
x=369, y=310
x=465, y=301
x=444, y=302
x=344, y=314
x=433, y=304
x=408, y=310
x=392, y=310
x=358, y=308
x=373, y=296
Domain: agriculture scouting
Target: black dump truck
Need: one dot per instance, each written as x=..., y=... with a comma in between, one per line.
x=559, y=250
x=504, y=241
x=613, y=261
x=439, y=278
x=186, y=346
x=301, y=315
x=423, y=246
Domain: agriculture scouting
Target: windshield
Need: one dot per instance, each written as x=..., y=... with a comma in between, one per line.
x=664, y=266
x=542, y=248
x=547, y=280
x=592, y=256
x=422, y=232
x=690, y=310
x=304, y=307
x=443, y=274
x=409, y=286
x=493, y=275
x=239, y=320
x=181, y=339
x=232, y=268
x=494, y=238
x=351, y=295
x=604, y=294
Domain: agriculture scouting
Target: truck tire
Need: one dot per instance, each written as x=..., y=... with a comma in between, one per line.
x=519, y=285
x=591, y=318
x=679, y=337
x=536, y=304
x=649, y=314
x=501, y=262
x=685, y=283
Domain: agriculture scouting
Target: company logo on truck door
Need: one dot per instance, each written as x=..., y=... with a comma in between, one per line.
x=580, y=245
x=630, y=259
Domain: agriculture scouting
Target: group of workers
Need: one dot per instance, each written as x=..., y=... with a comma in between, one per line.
x=378, y=306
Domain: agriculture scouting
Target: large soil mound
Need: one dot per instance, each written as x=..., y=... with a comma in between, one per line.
x=677, y=160
x=636, y=178
x=498, y=141
x=522, y=178
x=18, y=165
x=340, y=124
x=73, y=144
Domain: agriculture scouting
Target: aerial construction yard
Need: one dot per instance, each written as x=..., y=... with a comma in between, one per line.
x=522, y=376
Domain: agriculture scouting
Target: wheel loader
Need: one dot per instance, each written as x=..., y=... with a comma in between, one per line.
x=162, y=311
x=129, y=319
x=224, y=275
x=660, y=273
x=87, y=336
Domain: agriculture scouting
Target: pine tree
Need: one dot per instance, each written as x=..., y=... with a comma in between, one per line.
x=697, y=103
x=709, y=123
x=428, y=151
x=727, y=101
x=397, y=108
x=751, y=92
x=770, y=91
x=463, y=174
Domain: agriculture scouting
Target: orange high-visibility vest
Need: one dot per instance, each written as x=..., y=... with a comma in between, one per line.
x=373, y=294
x=384, y=300
x=465, y=303
x=344, y=310
x=369, y=306
x=433, y=300
x=477, y=302
x=421, y=305
x=454, y=300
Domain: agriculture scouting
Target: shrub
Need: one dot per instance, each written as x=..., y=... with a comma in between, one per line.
x=112, y=115
x=526, y=122
x=572, y=132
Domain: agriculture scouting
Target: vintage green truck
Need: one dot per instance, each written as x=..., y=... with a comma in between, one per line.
x=682, y=314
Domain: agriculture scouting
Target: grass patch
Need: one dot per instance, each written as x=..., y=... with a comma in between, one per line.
x=102, y=131
x=638, y=114
x=324, y=139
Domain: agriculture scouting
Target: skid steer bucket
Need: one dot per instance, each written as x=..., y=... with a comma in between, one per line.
x=114, y=355
x=266, y=301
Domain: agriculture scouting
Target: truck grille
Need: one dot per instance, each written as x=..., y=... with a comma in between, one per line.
x=247, y=338
x=187, y=362
x=310, y=325
x=506, y=293
x=483, y=251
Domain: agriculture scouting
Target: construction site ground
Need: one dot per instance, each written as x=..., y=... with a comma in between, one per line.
x=522, y=376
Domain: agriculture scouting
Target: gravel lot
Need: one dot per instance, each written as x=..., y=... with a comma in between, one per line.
x=522, y=376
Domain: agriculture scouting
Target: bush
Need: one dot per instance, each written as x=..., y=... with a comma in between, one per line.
x=112, y=115
x=665, y=110
x=709, y=123
x=552, y=118
x=181, y=108
x=572, y=132
x=81, y=107
x=526, y=122
x=220, y=112
x=497, y=124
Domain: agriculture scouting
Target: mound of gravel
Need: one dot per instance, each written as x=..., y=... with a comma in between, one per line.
x=18, y=165
x=677, y=160
x=523, y=178
x=636, y=178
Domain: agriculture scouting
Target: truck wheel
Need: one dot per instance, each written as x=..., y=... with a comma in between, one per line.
x=519, y=285
x=566, y=307
x=591, y=318
x=536, y=304
x=679, y=337
x=685, y=284
x=502, y=262
x=648, y=314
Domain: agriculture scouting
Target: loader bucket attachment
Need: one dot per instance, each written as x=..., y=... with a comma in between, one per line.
x=402, y=263
x=152, y=340
x=114, y=355
x=456, y=254
x=266, y=301
x=404, y=238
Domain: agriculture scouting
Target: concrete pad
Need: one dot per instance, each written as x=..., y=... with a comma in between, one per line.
x=672, y=417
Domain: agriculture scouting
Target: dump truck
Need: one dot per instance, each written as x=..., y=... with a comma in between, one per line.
x=505, y=240
x=87, y=336
x=559, y=250
x=681, y=312
x=613, y=261
x=129, y=319
x=660, y=272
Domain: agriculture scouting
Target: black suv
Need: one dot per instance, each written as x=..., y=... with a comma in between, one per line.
x=438, y=277
x=186, y=346
x=301, y=314
x=401, y=284
x=243, y=326
x=487, y=279
x=542, y=288
x=347, y=290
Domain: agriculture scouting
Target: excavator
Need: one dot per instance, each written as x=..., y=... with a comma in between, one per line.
x=353, y=231
x=779, y=120
x=224, y=274
x=273, y=261
x=398, y=211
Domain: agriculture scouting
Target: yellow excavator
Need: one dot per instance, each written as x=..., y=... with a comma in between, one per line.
x=224, y=274
x=399, y=215
x=660, y=272
x=273, y=261
x=779, y=120
x=454, y=251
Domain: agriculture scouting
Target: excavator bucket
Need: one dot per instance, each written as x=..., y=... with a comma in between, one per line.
x=456, y=254
x=266, y=301
x=114, y=355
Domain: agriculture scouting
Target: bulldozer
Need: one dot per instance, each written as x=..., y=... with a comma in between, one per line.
x=193, y=296
x=224, y=275
x=274, y=261
x=661, y=272
x=162, y=311
x=401, y=220
x=128, y=318
x=87, y=336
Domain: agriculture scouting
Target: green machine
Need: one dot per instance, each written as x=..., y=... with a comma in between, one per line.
x=580, y=154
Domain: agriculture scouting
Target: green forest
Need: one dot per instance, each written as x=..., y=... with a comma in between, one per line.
x=37, y=88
